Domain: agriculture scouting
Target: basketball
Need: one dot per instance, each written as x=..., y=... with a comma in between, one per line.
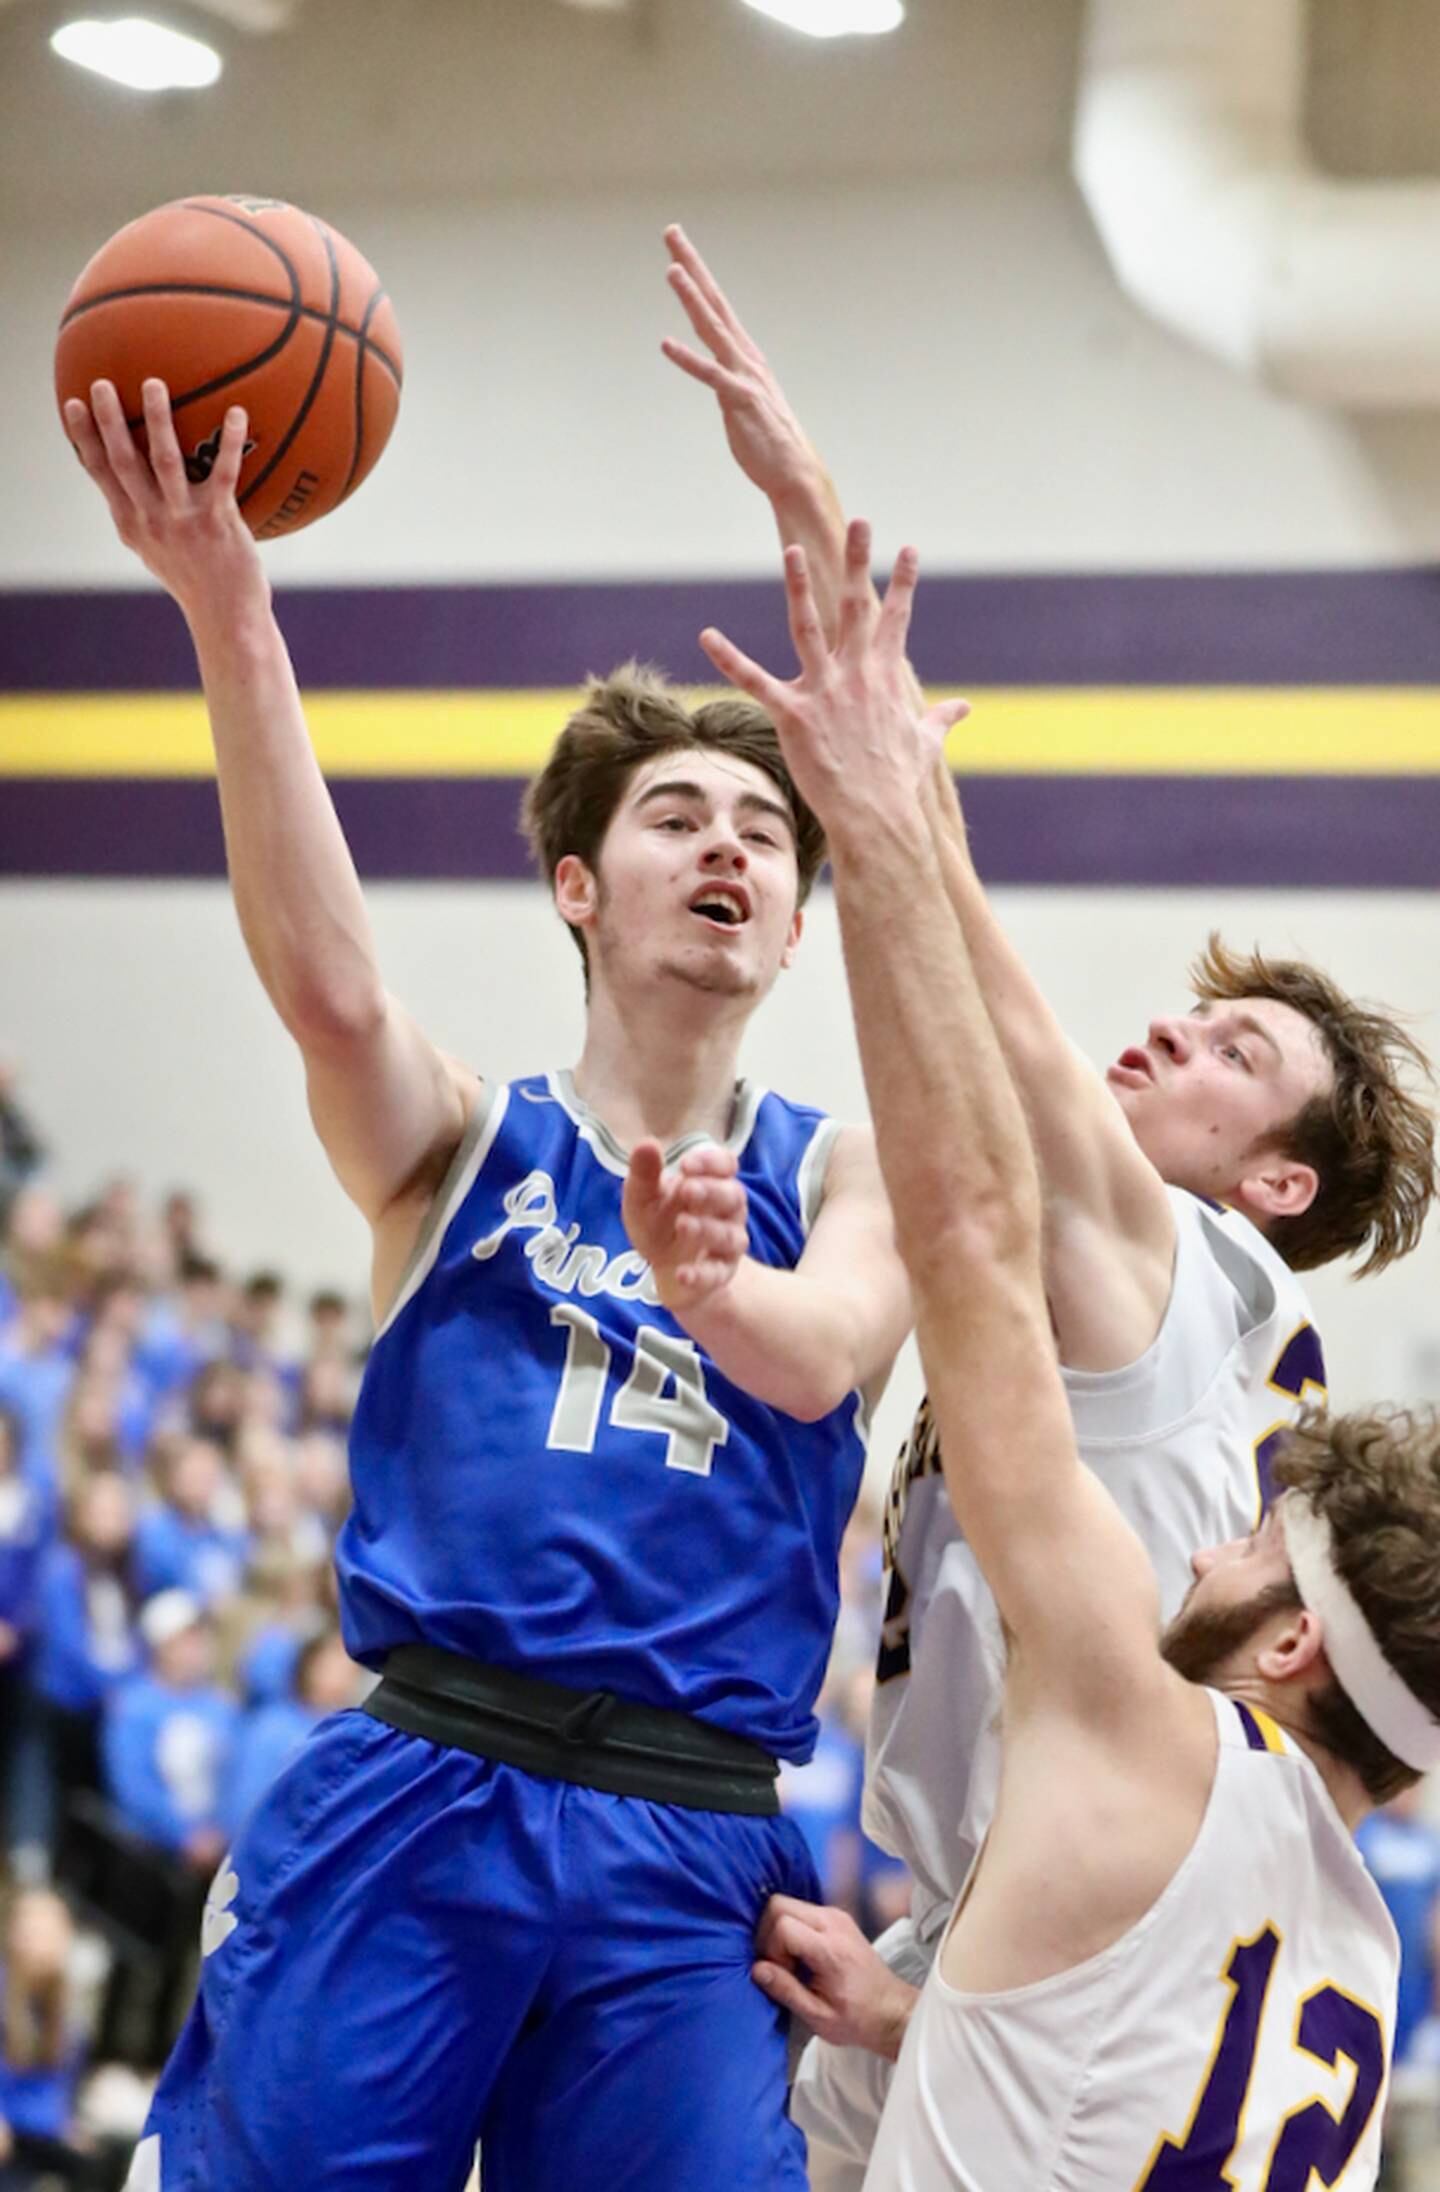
x=244, y=301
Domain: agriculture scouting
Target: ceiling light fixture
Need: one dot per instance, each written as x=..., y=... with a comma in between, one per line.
x=143, y=55
x=834, y=18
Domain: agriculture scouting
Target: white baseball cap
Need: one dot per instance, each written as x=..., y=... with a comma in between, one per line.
x=168, y=1614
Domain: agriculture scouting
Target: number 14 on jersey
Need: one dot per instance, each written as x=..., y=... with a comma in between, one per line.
x=664, y=1393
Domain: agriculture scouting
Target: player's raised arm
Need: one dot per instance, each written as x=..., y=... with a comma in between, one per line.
x=1109, y=1231
x=388, y=1107
x=766, y=439
x=1109, y=1226
x=1071, y=1580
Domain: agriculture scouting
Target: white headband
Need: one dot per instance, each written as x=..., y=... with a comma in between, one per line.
x=1384, y=1701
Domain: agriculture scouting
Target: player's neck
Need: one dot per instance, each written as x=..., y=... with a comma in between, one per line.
x=1346, y=1790
x=643, y=1074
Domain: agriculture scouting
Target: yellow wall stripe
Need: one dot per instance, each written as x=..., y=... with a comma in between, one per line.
x=1124, y=730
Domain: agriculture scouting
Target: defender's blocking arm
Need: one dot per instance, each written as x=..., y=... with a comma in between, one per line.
x=388, y=1107
x=765, y=437
x=1072, y=1582
x=1109, y=1229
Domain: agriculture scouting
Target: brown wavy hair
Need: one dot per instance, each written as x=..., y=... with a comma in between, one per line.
x=1370, y=1137
x=1375, y=1477
x=37, y=2019
x=626, y=719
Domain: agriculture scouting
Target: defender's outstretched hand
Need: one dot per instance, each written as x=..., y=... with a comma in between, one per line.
x=815, y=1962
x=688, y=1222
x=854, y=735
x=766, y=439
x=189, y=536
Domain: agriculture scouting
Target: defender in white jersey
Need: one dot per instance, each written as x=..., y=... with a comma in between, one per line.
x=1265, y=1131
x=1167, y=1969
x=1182, y=1441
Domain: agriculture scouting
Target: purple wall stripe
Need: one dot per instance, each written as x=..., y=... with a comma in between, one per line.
x=1225, y=628
x=1254, y=832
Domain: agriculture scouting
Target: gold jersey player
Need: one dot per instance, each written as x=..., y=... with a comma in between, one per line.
x=1265, y=1131
x=1168, y=1967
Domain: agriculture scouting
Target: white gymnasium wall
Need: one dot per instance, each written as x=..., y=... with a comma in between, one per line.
x=956, y=346
x=946, y=324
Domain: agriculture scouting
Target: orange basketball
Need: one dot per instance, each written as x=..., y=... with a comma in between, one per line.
x=248, y=301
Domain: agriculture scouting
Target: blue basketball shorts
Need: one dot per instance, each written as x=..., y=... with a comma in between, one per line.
x=410, y=1950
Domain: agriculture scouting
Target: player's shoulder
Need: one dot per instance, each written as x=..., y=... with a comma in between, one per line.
x=1224, y=1241
x=774, y=1129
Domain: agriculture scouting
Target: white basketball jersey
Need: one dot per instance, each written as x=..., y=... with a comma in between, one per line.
x=1239, y=2035
x=1181, y=1439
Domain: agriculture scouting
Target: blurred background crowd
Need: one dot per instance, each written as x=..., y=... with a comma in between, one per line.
x=172, y=1477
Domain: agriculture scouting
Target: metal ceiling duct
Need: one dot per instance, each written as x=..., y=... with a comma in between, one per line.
x=1189, y=149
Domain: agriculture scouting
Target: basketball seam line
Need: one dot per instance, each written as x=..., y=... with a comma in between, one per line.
x=315, y=380
x=362, y=346
x=246, y=296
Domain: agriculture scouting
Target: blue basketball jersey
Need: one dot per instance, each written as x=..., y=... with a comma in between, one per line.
x=550, y=1475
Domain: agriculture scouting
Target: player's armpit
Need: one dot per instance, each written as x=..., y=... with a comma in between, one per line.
x=1108, y=1213
x=1108, y=1278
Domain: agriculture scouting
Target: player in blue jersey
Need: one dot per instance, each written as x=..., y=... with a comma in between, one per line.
x=606, y=1445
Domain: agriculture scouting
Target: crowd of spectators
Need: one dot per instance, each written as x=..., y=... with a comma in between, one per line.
x=172, y=1478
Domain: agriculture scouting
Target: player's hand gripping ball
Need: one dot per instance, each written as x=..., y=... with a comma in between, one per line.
x=244, y=301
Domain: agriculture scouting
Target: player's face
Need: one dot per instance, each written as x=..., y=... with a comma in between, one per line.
x=697, y=879
x=1208, y=1089
x=1237, y=1587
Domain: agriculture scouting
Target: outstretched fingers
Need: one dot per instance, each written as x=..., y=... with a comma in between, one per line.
x=941, y=720
x=708, y=324
x=702, y=369
x=686, y=260
x=857, y=595
x=738, y=669
x=893, y=629
x=807, y=629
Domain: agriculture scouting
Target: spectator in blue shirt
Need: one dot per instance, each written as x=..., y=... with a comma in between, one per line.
x=35, y=1377
x=255, y=1327
x=215, y=1403
x=104, y=1350
x=85, y=1633
x=24, y=1531
x=23, y=1535
x=180, y=1545
x=325, y=1681
x=42, y=2051
x=169, y=1733
x=1402, y=1850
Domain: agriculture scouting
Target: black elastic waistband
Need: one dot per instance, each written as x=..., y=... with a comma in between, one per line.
x=586, y=1736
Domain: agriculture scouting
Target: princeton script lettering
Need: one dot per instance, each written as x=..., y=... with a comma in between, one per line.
x=557, y=1254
